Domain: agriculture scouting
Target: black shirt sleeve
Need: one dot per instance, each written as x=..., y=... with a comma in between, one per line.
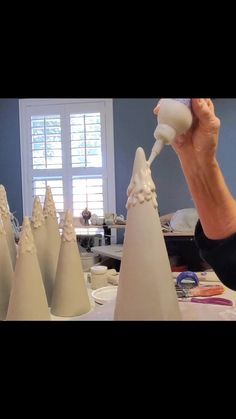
x=219, y=254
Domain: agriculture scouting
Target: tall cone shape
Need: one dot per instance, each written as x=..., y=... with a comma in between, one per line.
x=40, y=239
x=6, y=272
x=146, y=290
x=53, y=241
x=6, y=218
x=28, y=299
x=70, y=296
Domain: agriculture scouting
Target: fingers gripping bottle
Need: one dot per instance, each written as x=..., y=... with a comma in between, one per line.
x=174, y=118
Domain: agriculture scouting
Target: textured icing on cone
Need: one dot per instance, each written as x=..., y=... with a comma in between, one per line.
x=6, y=218
x=28, y=299
x=26, y=243
x=2, y=230
x=146, y=290
x=37, y=218
x=68, y=228
x=49, y=204
x=39, y=231
x=70, y=295
x=50, y=214
x=4, y=207
x=6, y=273
x=141, y=186
x=53, y=241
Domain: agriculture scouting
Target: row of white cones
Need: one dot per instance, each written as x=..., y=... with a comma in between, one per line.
x=45, y=271
x=146, y=289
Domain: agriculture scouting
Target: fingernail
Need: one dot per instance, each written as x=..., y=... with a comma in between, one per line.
x=200, y=101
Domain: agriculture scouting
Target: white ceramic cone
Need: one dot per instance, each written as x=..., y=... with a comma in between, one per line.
x=53, y=240
x=146, y=290
x=70, y=295
x=40, y=239
x=6, y=218
x=6, y=272
x=28, y=299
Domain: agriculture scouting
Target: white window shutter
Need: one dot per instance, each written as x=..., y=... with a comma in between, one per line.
x=69, y=145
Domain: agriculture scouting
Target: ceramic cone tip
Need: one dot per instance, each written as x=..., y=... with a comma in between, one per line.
x=141, y=187
x=139, y=160
x=68, y=229
x=26, y=243
x=49, y=205
x=37, y=213
x=4, y=207
x=2, y=190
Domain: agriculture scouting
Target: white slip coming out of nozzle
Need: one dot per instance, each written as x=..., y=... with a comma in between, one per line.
x=156, y=149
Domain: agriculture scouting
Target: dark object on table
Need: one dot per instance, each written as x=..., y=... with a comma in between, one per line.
x=186, y=249
x=87, y=241
x=86, y=214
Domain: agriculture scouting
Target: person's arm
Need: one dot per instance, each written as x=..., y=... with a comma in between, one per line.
x=215, y=233
x=215, y=205
x=197, y=154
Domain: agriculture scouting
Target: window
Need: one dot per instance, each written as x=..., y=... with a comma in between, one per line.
x=68, y=144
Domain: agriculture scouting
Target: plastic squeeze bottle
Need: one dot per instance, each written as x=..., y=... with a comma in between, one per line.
x=174, y=118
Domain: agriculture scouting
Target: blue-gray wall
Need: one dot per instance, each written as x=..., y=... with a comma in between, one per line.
x=134, y=124
x=10, y=160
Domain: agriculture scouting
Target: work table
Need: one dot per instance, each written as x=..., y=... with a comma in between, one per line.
x=189, y=311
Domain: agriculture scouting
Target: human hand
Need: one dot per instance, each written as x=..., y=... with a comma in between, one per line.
x=202, y=139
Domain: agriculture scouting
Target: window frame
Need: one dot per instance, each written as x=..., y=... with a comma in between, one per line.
x=26, y=106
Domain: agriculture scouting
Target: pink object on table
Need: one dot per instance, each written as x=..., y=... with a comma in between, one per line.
x=213, y=300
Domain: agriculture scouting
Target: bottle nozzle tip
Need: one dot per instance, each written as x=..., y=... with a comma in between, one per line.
x=156, y=149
